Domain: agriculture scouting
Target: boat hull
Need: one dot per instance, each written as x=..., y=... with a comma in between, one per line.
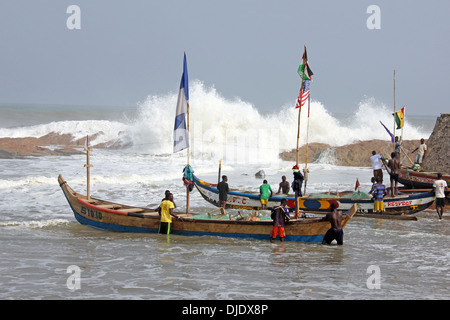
x=418, y=180
x=116, y=217
x=399, y=205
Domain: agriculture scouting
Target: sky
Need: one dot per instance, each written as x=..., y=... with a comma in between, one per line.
x=125, y=51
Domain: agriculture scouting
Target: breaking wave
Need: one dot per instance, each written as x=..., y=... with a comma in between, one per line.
x=221, y=128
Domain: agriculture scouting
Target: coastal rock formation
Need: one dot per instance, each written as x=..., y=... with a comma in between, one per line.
x=355, y=155
x=437, y=158
x=50, y=144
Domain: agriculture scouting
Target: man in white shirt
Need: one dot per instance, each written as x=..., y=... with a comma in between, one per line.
x=376, y=166
x=422, y=148
x=440, y=186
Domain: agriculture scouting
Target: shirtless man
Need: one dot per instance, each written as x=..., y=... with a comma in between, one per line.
x=335, y=232
x=284, y=186
x=394, y=164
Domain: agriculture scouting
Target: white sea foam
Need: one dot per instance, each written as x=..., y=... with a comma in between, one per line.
x=221, y=128
x=34, y=224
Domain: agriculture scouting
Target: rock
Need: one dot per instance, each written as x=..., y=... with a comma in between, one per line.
x=260, y=174
x=437, y=157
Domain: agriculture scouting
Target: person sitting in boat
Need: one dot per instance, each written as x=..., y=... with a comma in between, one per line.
x=265, y=191
x=165, y=210
x=284, y=186
x=335, y=232
x=280, y=216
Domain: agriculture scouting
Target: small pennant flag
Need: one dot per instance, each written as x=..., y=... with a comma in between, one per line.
x=390, y=133
x=357, y=184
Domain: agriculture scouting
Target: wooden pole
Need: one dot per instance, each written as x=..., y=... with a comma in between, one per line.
x=300, y=107
x=187, y=186
x=394, y=107
x=220, y=170
x=88, y=165
x=305, y=170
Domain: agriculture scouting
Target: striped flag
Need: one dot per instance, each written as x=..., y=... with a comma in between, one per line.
x=303, y=95
x=399, y=117
x=180, y=133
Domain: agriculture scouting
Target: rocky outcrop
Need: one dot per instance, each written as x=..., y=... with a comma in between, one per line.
x=355, y=155
x=437, y=158
x=50, y=144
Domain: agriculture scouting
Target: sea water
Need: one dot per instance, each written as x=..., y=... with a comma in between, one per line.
x=42, y=243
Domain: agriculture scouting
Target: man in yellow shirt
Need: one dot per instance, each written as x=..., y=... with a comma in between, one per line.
x=165, y=210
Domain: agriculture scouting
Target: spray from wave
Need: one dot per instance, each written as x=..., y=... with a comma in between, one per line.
x=221, y=128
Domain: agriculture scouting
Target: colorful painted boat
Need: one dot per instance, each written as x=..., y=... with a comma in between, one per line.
x=419, y=179
x=399, y=205
x=117, y=217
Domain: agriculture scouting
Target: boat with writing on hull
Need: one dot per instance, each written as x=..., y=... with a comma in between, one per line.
x=400, y=205
x=118, y=217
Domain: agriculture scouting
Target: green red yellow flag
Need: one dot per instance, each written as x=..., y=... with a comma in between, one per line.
x=399, y=117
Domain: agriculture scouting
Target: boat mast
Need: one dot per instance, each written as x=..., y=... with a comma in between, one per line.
x=88, y=166
x=187, y=186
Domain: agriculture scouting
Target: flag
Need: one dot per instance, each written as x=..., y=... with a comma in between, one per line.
x=307, y=75
x=180, y=133
x=303, y=95
x=399, y=117
x=357, y=184
x=392, y=136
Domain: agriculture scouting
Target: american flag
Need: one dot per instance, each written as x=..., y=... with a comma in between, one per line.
x=303, y=95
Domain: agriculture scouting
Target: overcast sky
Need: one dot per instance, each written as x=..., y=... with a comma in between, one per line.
x=251, y=49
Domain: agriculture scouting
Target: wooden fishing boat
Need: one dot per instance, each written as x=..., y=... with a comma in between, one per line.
x=118, y=217
x=419, y=179
x=400, y=205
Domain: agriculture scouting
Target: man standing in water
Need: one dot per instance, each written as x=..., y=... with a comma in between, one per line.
x=335, y=232
x=440, y=186
x=165, y=210
x=280, y=215
x=265, y=191
x=222, y=186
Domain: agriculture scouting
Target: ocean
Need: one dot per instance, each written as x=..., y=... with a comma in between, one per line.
x=43, y=247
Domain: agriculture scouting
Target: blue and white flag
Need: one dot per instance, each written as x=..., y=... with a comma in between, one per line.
x=180, y=133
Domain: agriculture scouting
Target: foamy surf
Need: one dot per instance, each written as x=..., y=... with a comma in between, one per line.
x=222, y=128
x=35, y=224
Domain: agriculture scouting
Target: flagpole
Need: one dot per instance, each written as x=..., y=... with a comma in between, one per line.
x=300, y=107
x=394, y=108
x=188, y=149
x=305, y=170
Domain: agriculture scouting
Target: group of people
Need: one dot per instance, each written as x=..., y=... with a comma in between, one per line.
x=379, y=189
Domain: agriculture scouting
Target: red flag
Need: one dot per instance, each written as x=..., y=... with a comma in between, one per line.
x=357, y=184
